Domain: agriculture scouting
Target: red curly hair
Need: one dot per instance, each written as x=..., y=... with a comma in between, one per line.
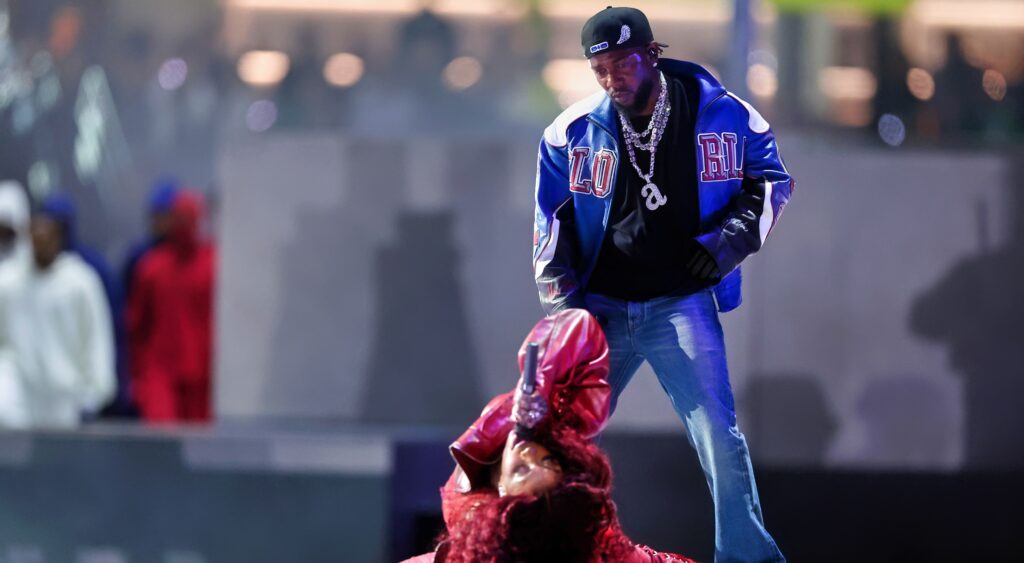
x=575, y=522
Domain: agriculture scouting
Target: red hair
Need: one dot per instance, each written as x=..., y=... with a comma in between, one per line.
x=573, y=523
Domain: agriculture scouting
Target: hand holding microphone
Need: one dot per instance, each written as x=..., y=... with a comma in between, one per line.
x=530, y=407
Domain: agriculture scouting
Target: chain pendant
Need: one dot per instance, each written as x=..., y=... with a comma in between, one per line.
x=655, y=198
x=659, y=120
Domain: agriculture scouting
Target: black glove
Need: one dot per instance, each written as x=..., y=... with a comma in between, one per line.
x=702, y=265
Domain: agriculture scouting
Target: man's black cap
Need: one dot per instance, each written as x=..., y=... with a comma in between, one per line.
x=615, y=28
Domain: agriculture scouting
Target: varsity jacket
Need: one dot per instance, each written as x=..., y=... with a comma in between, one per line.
x=743, y=187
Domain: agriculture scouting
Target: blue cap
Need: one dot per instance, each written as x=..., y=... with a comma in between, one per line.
x=162, y=194
x=61, y=208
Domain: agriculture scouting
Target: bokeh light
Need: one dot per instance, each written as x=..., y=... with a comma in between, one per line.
x=263, y=68
x=65, y=31
x=847, y=83
x=48, y=92
x=462, y=73
x=261, y=116
x=892, y=130
x=920, y=83
x=343, y=70
x=994, y=84
x=762, y=80
x=43, y=177
x=570, y=79
x=172, y=74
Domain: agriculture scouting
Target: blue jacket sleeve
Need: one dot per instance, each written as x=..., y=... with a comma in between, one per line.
x=756, y=209
x=555, y=249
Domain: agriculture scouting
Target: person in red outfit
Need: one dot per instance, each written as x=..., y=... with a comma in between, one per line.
x=170, y=320
x=529, y=485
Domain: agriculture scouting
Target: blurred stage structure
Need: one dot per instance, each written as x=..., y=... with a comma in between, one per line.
x=383, y=279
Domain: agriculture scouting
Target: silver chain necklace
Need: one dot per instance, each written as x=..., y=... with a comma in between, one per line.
x=659, y=120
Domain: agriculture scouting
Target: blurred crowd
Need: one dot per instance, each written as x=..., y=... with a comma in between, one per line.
x=79, y=342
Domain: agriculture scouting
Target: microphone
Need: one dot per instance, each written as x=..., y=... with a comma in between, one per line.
x=524, y=428
x=530, y=369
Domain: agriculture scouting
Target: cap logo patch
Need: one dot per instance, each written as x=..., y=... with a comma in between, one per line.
x=623, y=35
x=599, y=47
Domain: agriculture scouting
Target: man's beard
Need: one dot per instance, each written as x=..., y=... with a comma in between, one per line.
x=643, y=95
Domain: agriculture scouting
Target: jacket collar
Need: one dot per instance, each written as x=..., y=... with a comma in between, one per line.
x=605, y=114
x=710, y=87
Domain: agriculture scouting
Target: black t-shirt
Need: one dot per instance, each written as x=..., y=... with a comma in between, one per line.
x=644, y=252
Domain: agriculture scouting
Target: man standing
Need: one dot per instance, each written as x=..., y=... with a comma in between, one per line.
x=15, y=267
x=649, y=195
x=58, y=326
x=170, y=320
x=61, y=208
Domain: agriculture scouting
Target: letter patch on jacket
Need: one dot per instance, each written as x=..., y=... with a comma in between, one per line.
x=721, y=158
x=601, y=169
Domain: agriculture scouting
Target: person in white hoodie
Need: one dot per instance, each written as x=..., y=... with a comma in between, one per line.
x=15, y=262
x=59, y=329
x=15, y=248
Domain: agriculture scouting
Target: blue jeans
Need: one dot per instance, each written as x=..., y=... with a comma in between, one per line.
x=682, y=340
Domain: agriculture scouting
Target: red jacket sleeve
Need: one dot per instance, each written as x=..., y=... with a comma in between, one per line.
x=572, y=371
x=572, y=375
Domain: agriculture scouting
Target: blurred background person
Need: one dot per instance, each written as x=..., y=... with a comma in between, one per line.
x=15, y=260
x=15, y=248
x=60, y=333
x=170, y=320
x=61, y=208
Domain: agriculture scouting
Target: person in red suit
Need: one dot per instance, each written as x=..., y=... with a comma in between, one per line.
x=529, y=485
x=170, y=320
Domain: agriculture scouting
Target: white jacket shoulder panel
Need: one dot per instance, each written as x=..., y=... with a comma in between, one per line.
x=556, y=133
x=756, y=122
